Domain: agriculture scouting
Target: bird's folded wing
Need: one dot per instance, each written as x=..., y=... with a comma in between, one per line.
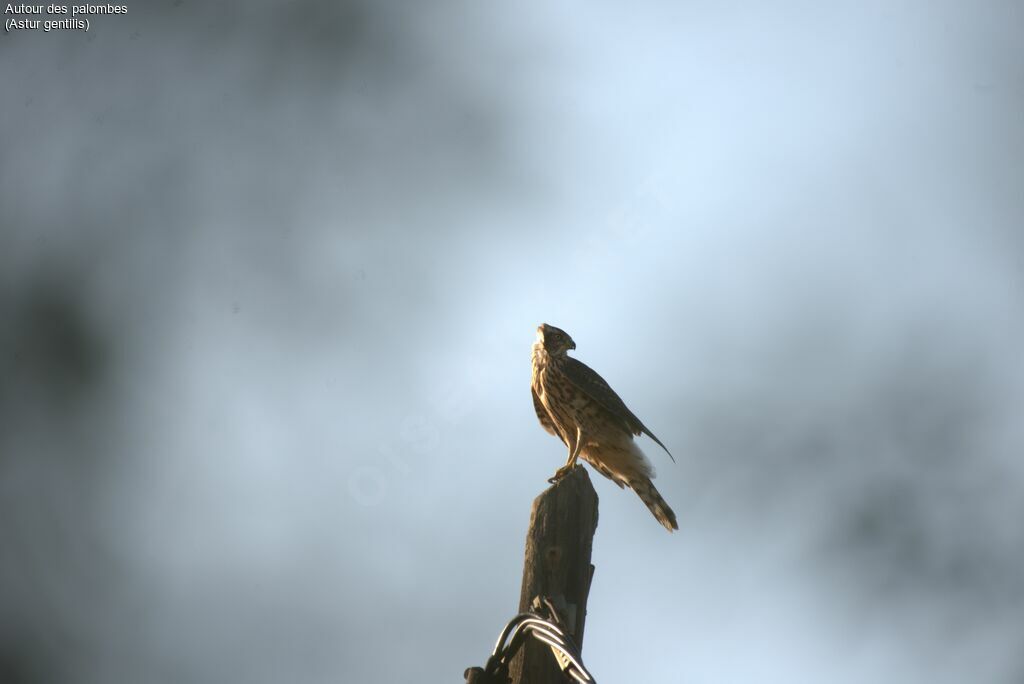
x=587, y=380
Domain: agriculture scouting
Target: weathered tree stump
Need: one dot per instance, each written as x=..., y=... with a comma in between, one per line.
x=558, y=546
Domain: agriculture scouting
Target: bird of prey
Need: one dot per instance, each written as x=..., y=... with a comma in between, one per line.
x=576, y=405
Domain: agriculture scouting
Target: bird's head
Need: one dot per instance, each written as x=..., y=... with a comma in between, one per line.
x=555, y=341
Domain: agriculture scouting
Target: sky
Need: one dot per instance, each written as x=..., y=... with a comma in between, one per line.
x=270, y=274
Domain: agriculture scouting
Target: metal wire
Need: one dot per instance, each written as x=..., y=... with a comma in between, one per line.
x=545, y=629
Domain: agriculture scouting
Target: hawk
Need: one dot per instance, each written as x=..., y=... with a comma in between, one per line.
x=576, y=405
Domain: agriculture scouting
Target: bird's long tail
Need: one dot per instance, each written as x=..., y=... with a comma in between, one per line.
x=651, y=497
x=625, y=464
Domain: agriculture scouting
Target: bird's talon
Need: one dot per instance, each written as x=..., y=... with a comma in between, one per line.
x=560, y=473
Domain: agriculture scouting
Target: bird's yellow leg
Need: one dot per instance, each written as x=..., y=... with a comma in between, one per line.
x=574, y=453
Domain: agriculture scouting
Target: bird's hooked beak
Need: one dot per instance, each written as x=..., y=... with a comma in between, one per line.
x=572, y=345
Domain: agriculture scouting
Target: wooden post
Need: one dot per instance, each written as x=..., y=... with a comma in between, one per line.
x=558, y=546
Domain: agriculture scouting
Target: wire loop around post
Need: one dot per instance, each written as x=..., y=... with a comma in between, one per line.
x=545, y=626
